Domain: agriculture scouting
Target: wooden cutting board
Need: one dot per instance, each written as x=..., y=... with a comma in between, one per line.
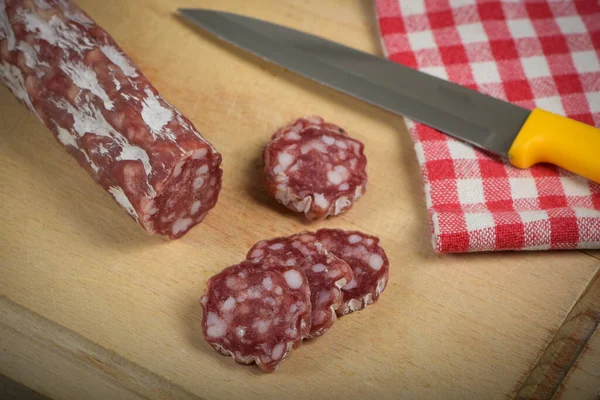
x=93, y=307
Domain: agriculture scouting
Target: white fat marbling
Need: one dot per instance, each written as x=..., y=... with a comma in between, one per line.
x=314, y=145
x=276, y=246
x=198, y=183
x=65, y=137
x=240, y=331
x=285, y=195
x=216, y=327
x=86, y=78
x=255, y=292
x=177, y=169
x=291, y=332
x=321, y=201
x=351, y=285
x=290, y=262
x=122, y=199
x=338, y=175
x=119, y=59
x=354, y=238
x=341, y=204
x=318, y=267
x=195, y=207
x=344, y=186
x=261, y=326
x=181, y=225
x=375, y=262
x=354, y=305
x=267, y=283
x=270, y=301
x=202, y=170
x=285, y=160
x=334, y=273
x=381, y=284
x=278, y=351
x=293, y=278
x=156, y=116
x=231, y=282
x=257, y=253
x=151, y=208
x=228, y=304
x=328, y=140
x=292, y=135
x=199, y=154
x=341, y=144
x=323, y=297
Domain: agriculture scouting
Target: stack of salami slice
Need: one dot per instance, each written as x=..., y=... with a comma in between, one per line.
x=288, y=289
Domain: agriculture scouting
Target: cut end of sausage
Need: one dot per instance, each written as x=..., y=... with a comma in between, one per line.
x=187, y=196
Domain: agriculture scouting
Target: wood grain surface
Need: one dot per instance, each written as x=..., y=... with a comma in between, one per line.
x=565, y=353
x=583, y=380
x=94, y=308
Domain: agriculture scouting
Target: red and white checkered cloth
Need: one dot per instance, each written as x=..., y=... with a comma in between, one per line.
x=533, y=53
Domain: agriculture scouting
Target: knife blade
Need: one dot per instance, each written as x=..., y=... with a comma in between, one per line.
x=523, y=136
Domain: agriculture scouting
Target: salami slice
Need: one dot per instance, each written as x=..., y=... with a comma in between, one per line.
x=369, y=264
x=315, y=168
x=256, y=312
x=75, y=78
x=325, y=272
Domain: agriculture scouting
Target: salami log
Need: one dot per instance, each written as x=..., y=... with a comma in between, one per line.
x=326, y=273
x=73, y=76
x=256, y=312
x=368, y=261
x=315, y=168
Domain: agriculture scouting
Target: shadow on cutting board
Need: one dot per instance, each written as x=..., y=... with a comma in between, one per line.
x=13, y=390
x=191, y=319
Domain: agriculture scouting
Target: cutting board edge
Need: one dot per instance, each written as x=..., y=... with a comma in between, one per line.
x=109, y=370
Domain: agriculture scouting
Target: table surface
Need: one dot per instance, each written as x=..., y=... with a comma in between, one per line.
x=92, y=306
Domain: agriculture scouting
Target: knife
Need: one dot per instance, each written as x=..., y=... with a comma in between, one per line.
x=524, y=137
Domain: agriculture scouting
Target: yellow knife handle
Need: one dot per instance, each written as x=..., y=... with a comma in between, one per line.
x=554, y=139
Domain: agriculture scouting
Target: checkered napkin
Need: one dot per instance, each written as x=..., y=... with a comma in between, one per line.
x=533, y=53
